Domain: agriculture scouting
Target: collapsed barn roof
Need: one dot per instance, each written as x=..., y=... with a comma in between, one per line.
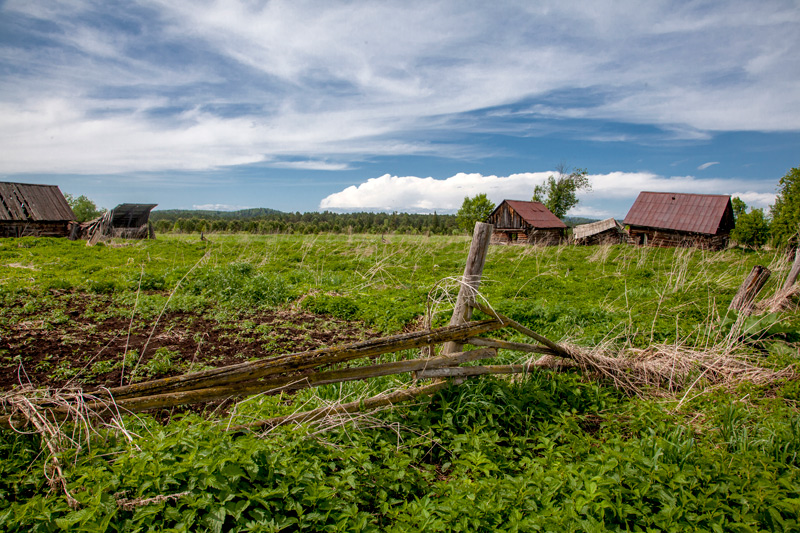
x=126, y=221
x=587, y=230
x=707, y=214
x=131, y=215
x=26, y=202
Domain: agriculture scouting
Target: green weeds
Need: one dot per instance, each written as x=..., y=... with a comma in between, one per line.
x=544, y=452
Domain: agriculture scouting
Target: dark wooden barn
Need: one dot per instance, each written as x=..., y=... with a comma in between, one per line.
x=679, y=219
x=33, y=210
x=518, y=222
x=607, y=231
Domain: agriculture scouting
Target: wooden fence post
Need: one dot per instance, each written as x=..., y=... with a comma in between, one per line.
x=473, y=271
x=746, y=295
x=793, y=273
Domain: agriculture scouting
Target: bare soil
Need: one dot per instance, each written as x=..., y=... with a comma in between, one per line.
x=88, y=352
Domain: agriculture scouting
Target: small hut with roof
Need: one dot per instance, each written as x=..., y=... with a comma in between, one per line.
x=681, y=219
x=519, y=222
x=27, y=209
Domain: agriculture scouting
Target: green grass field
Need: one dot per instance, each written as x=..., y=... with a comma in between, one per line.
x=550, y=451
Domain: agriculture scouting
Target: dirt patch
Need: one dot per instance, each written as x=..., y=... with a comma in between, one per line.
x=88, y=351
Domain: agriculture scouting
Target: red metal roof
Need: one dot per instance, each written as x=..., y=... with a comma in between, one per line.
x=694, y=213
x=535, y=214
x=29, y=202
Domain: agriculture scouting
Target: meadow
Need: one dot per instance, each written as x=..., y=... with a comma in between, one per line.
x=547, y=451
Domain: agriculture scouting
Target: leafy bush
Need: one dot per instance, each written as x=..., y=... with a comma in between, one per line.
x=337, y=306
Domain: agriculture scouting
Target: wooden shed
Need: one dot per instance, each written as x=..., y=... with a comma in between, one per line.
x=519, y=222
x=33, y=210
x=681, y=219
x=607, y=231
x=126, y=221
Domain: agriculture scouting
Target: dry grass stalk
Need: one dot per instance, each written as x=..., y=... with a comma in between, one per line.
x=671, y=368
x=130, y=504
x=28, y=407
x=783, y=300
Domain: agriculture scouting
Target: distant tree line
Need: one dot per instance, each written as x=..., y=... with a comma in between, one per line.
x=269, y=221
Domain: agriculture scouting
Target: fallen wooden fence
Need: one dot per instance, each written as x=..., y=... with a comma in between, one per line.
x=295, y=371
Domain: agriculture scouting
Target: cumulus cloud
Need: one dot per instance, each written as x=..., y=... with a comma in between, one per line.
x=612, y=194
x=763, y=200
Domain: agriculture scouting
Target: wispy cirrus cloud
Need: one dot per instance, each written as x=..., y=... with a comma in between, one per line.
x=157, y=85
x=220, y=207
x=706, y=165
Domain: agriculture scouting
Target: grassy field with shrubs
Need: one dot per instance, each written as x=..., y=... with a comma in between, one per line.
x=547, y=451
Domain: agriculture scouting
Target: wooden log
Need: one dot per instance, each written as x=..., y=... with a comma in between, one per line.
x=752, y=285
x=467, y=371
x=272, y=386
x=473, y=270
x=374, y=402
x=253, y=370
x=557, y=349
x=794, y=272
x=293, y=382
x=506, y=345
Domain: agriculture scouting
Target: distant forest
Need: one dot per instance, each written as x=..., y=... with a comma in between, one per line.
x=264, y=221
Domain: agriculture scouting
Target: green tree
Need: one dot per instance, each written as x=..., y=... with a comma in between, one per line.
x=786, y=211
x=559, y=194
x=83, y=208
x=739, y=207
x=752, y=229
x=475, y=209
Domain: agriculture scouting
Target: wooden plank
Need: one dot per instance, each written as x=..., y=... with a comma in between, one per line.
x=294, y=362
x=506, y=345
x=380, y=400
x=271, y=386
x=468, y=371
x=290, y=383
x=794, y=272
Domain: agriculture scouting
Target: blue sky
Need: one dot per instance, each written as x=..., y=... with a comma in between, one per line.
x=407, y=106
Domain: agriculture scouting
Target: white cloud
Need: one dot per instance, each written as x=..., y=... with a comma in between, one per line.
x=706, y=165
x=311, y=165
x=612, y=194
x=761, y=200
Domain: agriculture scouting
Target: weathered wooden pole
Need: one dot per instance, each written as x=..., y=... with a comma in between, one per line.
x=794, y=272
x=473, y=271
x=746, y=295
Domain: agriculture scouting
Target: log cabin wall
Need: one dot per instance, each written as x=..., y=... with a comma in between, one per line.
x=59, y=228
x=507, y=219
x=545, y=237
x=672, y=239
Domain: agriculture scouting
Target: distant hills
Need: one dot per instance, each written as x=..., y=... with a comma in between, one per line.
x=242, y=214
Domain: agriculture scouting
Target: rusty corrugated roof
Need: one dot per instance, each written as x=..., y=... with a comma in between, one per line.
x=29, y=202
x=695, y=213
x=535, y=214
